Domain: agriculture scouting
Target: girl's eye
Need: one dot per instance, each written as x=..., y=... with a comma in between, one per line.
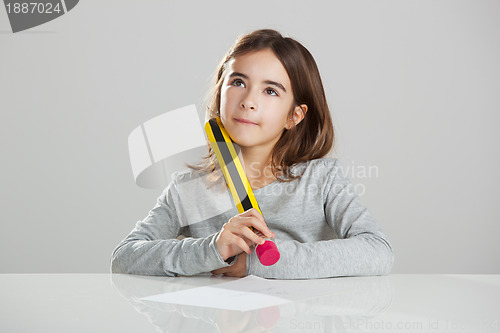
x=271, y=92
x=237, y=82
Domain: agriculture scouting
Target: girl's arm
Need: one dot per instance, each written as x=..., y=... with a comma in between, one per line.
x=361, y=247
x=152, y=248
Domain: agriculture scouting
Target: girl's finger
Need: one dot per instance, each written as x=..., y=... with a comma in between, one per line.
x=248, y=241
x=254, y=212
x=252, y=222
x=260, y=225
x=251, y=235
x=238, y=241
x=250, y=218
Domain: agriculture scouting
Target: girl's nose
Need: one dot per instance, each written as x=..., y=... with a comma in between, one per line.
x=248, y=105
x=248, y=102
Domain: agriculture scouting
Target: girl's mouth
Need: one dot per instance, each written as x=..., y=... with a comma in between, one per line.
x=245, y=121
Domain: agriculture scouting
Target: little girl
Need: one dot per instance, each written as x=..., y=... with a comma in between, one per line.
x=270, y=98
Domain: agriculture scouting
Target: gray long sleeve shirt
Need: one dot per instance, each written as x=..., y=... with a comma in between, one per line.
x=321, y=228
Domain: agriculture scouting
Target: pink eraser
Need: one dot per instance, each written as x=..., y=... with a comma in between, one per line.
x=267, y=253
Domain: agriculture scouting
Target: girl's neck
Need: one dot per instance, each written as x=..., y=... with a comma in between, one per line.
x=257, y=164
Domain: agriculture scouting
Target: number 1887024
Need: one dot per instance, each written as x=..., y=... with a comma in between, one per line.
x=33, y=7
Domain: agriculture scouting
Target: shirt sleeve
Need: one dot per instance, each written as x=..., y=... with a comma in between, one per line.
x=361, y=248
x=152, y=248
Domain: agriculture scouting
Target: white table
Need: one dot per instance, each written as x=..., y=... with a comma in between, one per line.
x=111, y=303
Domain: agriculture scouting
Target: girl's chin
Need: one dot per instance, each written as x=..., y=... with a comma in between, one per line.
x=242, y=138
x=244, y=143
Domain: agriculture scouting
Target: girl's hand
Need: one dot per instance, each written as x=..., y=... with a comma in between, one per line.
x=238, y=269
x=236, y=236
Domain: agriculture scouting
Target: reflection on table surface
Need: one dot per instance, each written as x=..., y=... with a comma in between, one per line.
x=343, y=299
x=109, y=303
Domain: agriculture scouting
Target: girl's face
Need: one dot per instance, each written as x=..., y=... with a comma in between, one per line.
x=256, y=99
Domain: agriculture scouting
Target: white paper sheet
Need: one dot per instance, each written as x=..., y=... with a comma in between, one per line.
x=248, y=293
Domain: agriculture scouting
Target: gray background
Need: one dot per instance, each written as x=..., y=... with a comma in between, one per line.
x=414, y=88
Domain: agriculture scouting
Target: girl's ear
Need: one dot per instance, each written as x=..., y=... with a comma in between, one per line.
x=299, y=112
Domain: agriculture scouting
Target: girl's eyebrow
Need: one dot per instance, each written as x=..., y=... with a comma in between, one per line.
x=274, y=83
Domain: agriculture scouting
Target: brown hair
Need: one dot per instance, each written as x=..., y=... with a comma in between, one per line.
x=313, y=137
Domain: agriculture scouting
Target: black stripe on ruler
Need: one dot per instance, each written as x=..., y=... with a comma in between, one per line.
x=231, y=167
